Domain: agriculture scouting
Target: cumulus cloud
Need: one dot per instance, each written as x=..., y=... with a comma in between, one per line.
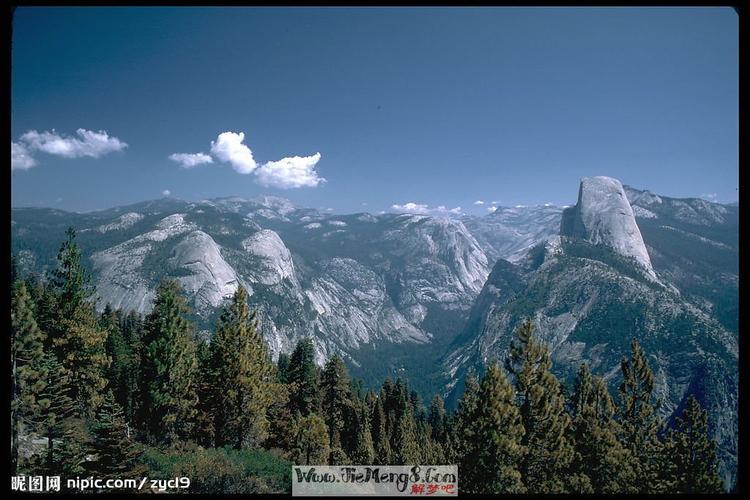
x=479, y=202
x=228, y=147
x=166, y=192
x=492, y=209
x=291, y=172
x=20, y=157
x=418, y=208
x=88, y=143
x=190, y=160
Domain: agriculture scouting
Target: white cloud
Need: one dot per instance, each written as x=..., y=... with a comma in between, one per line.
x=709, y=196
x=492, y=209
x=166, y=192
x=88, y=143
x=20, y=157
x=291, y=172
x=228, y=147
x=411, y=207
x=418, y=208
x=189, y=160
x=479, y=202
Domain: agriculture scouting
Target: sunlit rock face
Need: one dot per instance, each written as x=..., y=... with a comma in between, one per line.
x=603, y=216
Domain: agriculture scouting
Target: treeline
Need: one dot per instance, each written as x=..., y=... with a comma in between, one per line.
x=99, y=389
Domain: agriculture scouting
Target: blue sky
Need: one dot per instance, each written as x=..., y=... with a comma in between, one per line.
x=433, y=106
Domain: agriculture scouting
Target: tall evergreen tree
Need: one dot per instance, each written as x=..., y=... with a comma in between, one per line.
x=639, y=422
x=357, y=442
x=493, y=450
x=405, y=444
x=335, y=398
x=549, y=453
x=691, y=454
x=244, y=372
x=57, y=410
x=303, y=378
x=381, y=442
x=116, y=454
x=76, y=335
x=27, y=351
x=600, y=457
x=282, y=368
x=461, y=433
x=437, y=419
x=208, y=397
x=310, y=440
x=169, y=368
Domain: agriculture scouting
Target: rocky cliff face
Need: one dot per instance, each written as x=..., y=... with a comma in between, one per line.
x=603, y=216
x=593, y=289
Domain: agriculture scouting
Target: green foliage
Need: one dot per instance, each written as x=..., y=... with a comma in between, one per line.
x=335, y=398
x=303, y=379
x=223, y=470
x=243, y=375
x=689, y=455
x=76, y=335
x=599, y=456
x=27, y=371
x=639, y=423
x=546, y=464
x=169, y=368
x=116, y=454
x=492, y=435
x=309, y=440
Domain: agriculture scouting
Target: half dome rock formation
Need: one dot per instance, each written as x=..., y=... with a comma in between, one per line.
x=603, y=216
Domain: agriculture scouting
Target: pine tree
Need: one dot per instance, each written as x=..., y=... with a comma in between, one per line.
x=437, y=419
x=282, y=368
x=116, y=454
x=461, y=431
x=493, y=449
x=360, y=449
x=335, y=398
x=75, y=333
x=310, y=440
x=28, y=377
x=244, y=372
x=56, y=411
x=303, y=379
x=381, y=442
x=404, y=443
x=600, y=457
x=208, y=397
x=169, y=368
x=639, y=423
x=691, y=453
x=124, y=365
x=549, y=453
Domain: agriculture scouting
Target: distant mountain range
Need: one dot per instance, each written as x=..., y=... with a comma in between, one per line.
x=429, y=297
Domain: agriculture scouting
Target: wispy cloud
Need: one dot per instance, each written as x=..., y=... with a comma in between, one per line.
x=166, y=192
x=228, y=147
x=190, y=160
x=419, y=208
x=709, y=196
x=20, y=157
x=292, y=172
x=479, y=202
x=86, y=143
